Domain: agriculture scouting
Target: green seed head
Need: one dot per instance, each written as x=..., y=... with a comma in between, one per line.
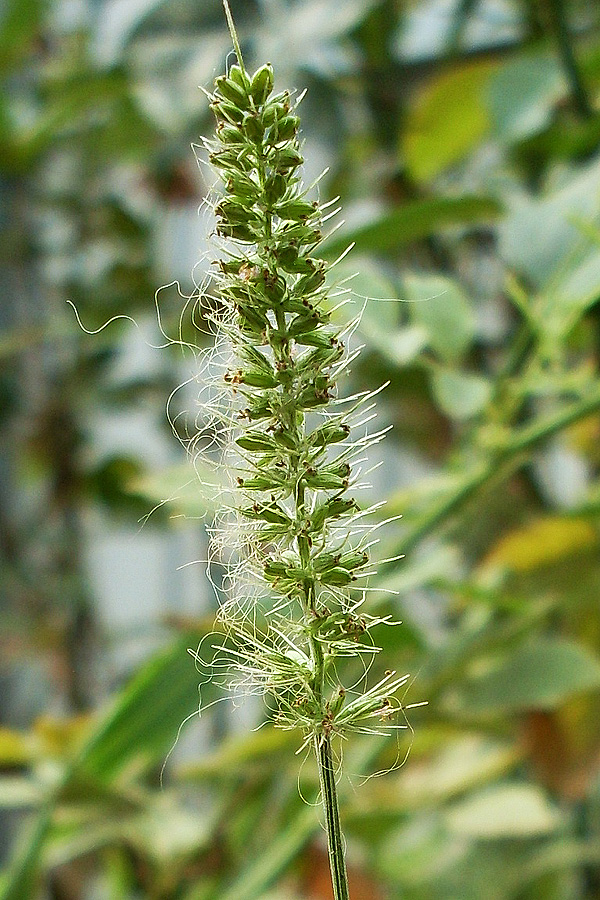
x=291, y=448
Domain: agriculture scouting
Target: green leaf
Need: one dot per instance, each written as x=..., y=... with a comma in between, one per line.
x=539, y=238
x=252, y=882
x=414, y=853
x=143, y=723
x=17, y=791
x=463, y=762
x=167, y=830
x=267, y=745
x=84, y=834
x=97, y=104
x=439, y=306
x=188, y=491
x=576, y=289
x=542, y=674
x=20, y=21
x=504, y=811
x=522, y=95
x=139, y=729
x=460, y=394
x=449, y=119
x=380, y=305
x=413, y=221
x=19, y=880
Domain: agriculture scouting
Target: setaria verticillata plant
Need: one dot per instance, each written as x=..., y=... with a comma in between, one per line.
x=297, y=577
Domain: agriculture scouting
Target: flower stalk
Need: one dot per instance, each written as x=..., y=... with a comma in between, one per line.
x=297, y=581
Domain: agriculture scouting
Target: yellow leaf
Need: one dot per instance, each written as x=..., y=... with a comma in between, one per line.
x=15, y=749
x=448, y=120
x=61, y=737
x=541, y=543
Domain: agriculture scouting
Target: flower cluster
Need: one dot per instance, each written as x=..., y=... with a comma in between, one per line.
x=295, y=439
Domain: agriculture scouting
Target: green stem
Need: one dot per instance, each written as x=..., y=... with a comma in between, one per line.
x=337, y=863
x=530, y=435
x=558, y=23
x=233, y=33
x=502, y=460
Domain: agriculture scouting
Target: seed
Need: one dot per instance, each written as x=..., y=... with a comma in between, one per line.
x=262, y=84
x=231, y=91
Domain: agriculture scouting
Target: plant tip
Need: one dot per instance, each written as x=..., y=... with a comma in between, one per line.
x=233, y=33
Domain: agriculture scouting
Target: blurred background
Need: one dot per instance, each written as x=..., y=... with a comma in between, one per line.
x=463, y=137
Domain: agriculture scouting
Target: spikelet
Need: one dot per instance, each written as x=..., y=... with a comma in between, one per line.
x=297, y=573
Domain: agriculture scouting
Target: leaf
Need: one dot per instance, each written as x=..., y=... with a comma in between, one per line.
x=504, y=811
x=89, y=102
x=522, y=94
x=117, y=22
x=252, y=882
x=139, y=729
x=400, y=347
x=460, y=394
x=166, y=830
x=84, y=835
x=542, y=674
x=379, y=304
x=413, y=221
x=15, y=748
x=461, y=763
x=448, y=120
x=414, y=853
x=19, y=879
x=538, y=237
x=16, y=791
x=541, y=543
x=191, y=491
x=257, y=747
x=143, y=723
x=439, y=306
x=574, y=292
x=379, y=323
x=20, y=22
x=441, y=563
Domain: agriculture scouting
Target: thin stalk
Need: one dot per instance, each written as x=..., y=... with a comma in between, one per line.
x=233, y=33
x=322, y=744
x=335, y=845
x=558, y=24
x=502, y=461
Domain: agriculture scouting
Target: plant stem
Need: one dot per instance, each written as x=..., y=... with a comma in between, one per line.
x=558, y=24
x=337, y=863
x=521, y=441
x=233, y=33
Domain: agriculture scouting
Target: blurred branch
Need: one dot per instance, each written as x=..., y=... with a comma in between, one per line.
x=560, y=31
x=502, y=458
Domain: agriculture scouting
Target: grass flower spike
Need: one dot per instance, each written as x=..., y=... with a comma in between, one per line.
x=303, y=558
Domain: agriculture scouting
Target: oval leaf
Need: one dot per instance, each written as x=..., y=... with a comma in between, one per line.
x=448, y=120
x=540, y=675
x=439, y=306
x=459, y=394
x=504, y=811
x=541, y=543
